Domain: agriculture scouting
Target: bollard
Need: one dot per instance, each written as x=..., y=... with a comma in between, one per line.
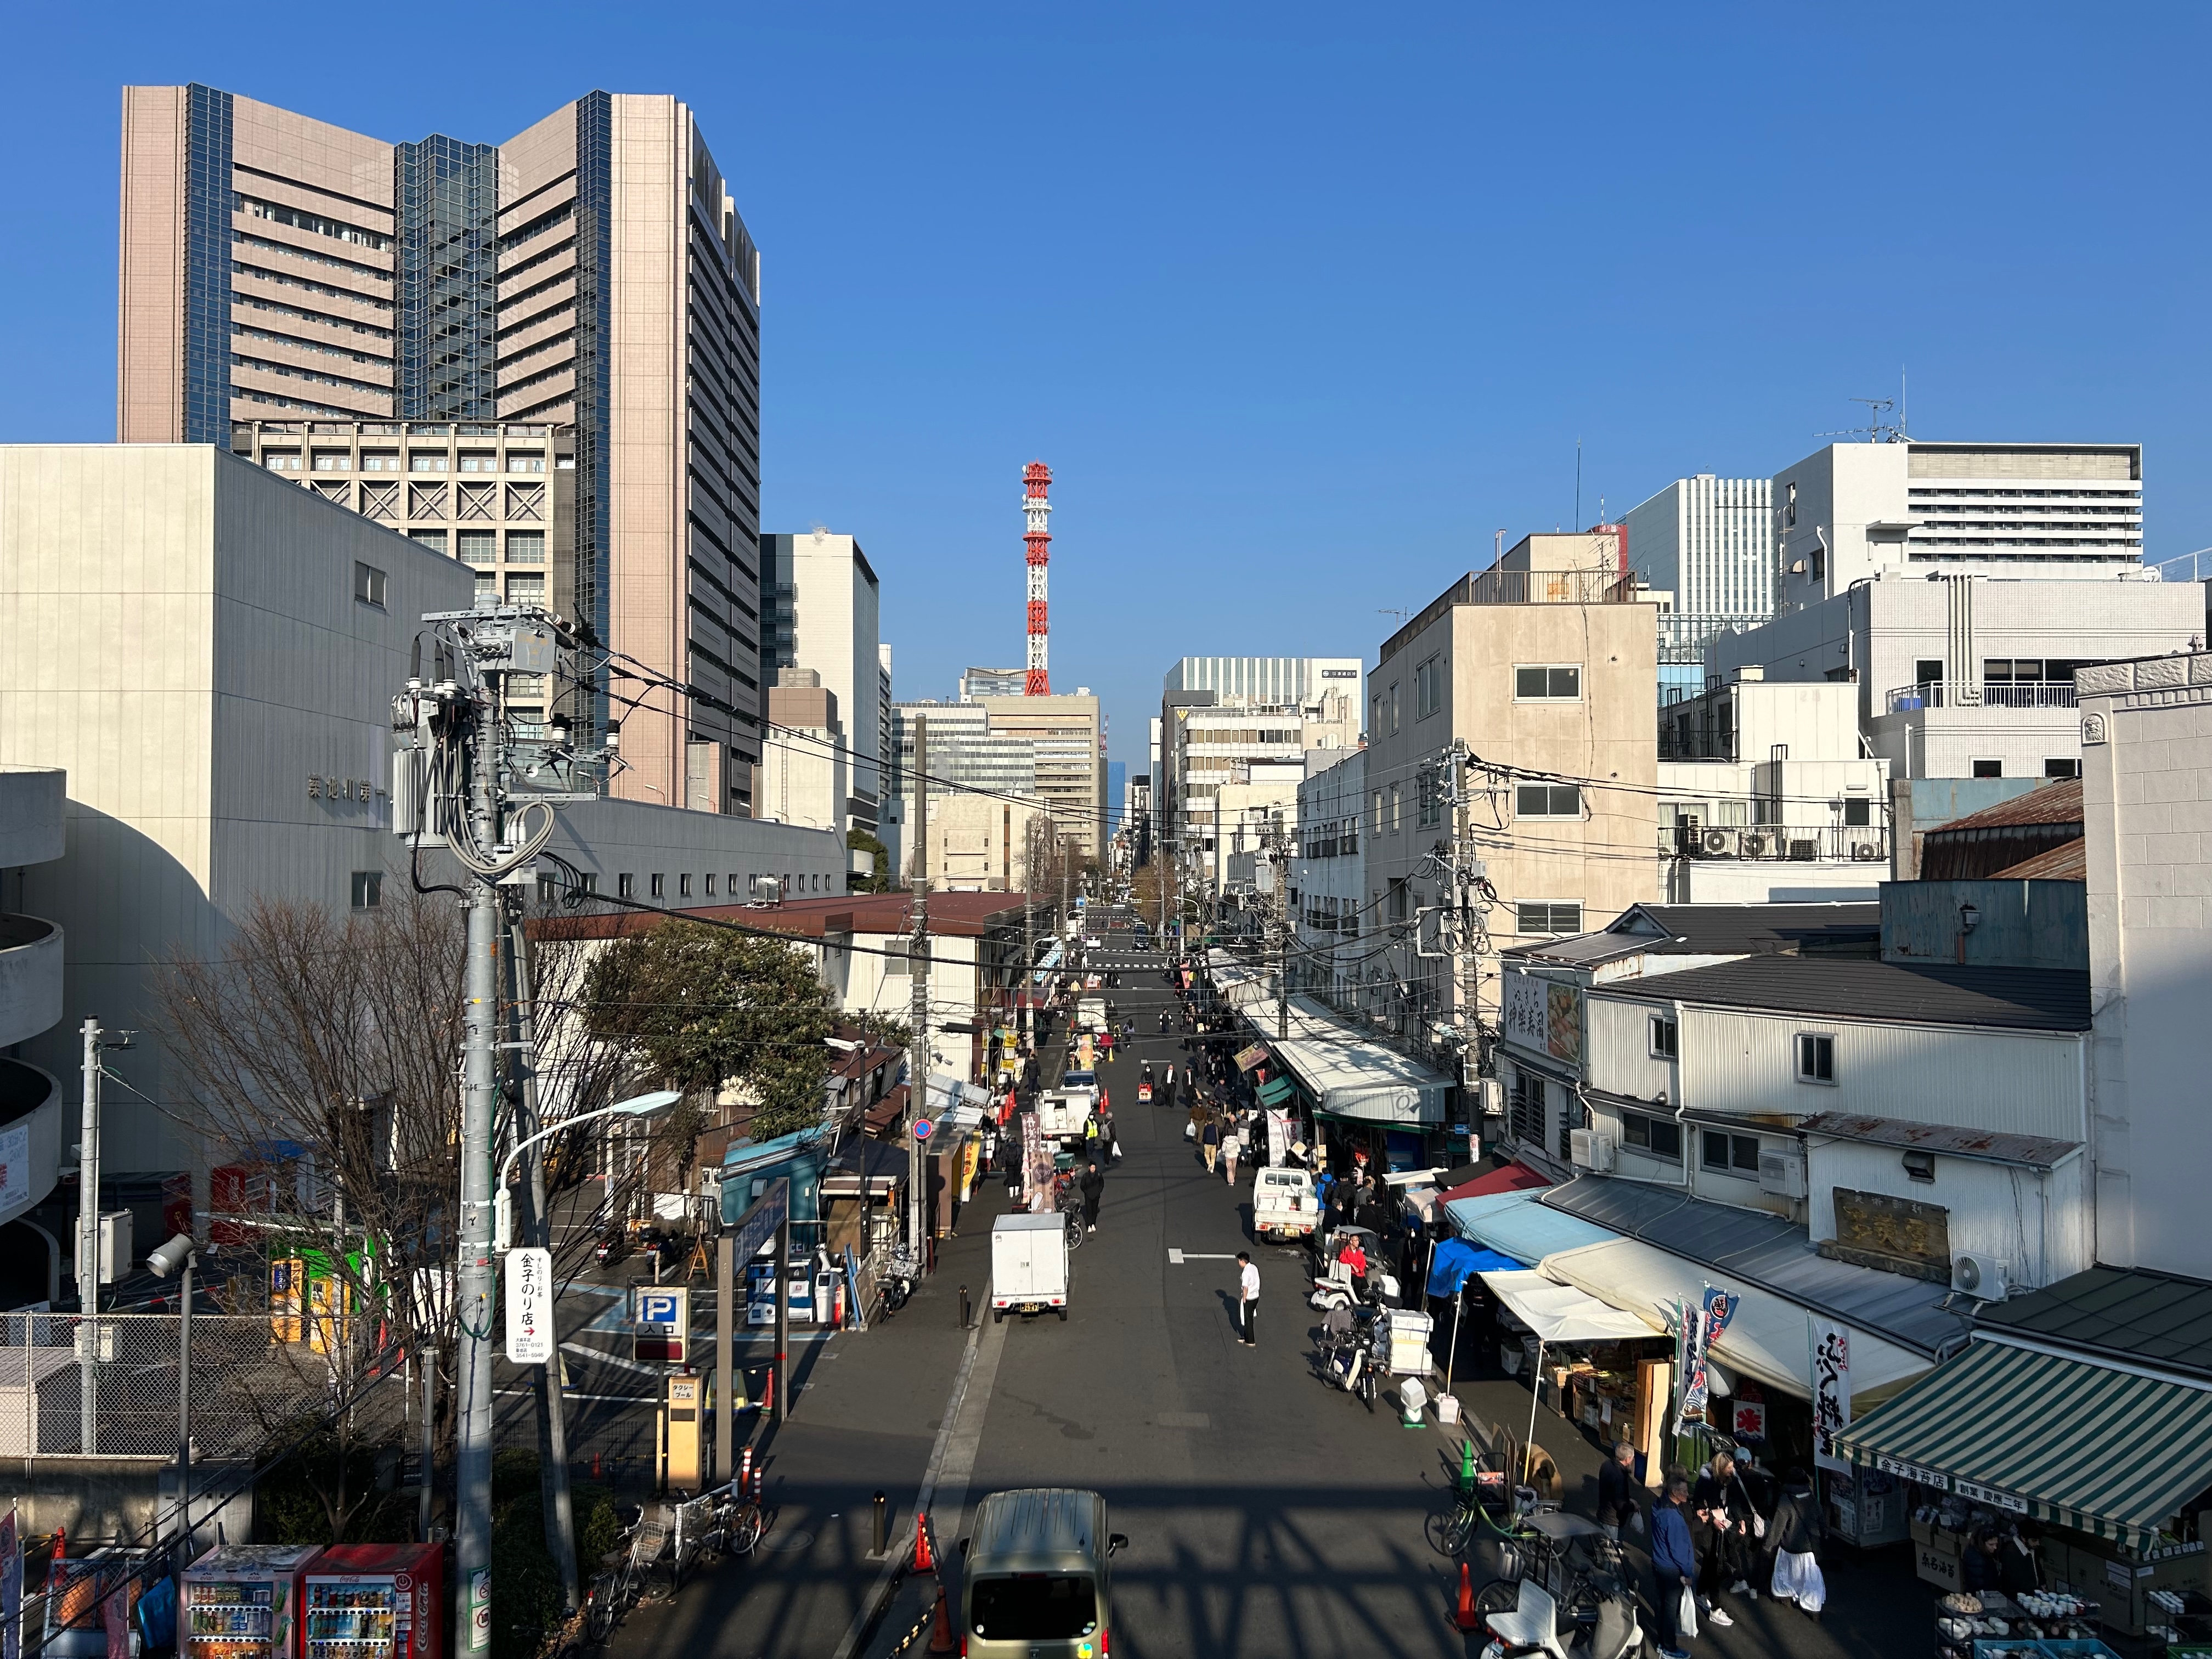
x=966, y=1313
x=882, y=1540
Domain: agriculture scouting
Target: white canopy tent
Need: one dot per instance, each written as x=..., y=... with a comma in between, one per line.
x=1560, y=1313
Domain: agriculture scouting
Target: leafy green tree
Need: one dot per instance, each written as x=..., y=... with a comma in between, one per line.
x=698, y=1007
x=858, y=839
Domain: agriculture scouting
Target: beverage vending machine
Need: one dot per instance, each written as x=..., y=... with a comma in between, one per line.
x=376, y=1602
x=242, y=1600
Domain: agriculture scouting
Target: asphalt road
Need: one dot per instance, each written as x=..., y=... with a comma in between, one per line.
x=1267, y=1514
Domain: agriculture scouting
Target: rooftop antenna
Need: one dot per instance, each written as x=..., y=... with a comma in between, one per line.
x=1902, y=431
x=1578, y=485
x=1877, y=430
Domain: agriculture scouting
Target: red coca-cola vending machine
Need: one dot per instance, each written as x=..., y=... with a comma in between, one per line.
x=376, y=1602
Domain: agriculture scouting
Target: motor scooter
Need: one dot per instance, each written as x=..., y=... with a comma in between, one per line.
x=1531, y=1625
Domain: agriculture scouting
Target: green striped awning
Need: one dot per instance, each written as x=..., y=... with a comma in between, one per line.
x=2108, y=1452
x=1275, y=1091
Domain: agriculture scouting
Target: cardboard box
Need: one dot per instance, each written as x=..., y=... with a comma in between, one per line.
x=1922, y=1531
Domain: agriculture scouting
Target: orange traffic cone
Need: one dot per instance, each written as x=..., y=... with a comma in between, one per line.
x=940, y=1633
x=1464, y=1617
x=923, y=1560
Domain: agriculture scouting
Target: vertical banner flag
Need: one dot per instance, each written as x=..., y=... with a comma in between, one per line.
x=1036, y=1165
x=1279, y=1137
x=1832, y=1391
x=1696, y=1385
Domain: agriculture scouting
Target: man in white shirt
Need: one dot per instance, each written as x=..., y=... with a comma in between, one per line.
x=1247, y=1283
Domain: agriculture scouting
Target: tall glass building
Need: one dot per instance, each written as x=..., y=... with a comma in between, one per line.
x=284, y=280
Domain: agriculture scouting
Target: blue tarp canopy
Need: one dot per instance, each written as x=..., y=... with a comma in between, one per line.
x=1455, y=1259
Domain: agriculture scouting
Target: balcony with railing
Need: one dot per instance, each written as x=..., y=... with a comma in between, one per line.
x=1983, y=693
x=1834, y=844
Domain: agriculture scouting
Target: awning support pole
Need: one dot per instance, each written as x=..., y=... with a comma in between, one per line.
x=1535, y=1390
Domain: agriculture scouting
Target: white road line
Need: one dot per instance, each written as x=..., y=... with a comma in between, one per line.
x=1176, y=1258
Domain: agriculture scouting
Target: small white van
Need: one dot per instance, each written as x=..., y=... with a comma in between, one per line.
x=1283, y=1203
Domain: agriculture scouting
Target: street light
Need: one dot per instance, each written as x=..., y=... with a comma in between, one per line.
x=651, y=1105
x=179, y=1253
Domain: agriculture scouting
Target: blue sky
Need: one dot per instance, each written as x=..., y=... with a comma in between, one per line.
x=1301, y=303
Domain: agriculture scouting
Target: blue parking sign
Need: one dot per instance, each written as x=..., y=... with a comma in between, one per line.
x=658, y=1308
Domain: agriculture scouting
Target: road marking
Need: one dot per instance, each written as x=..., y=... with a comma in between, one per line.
x=1183, y=1420
x=951, y=1461
x=1176, y=1258
x=570, y=1394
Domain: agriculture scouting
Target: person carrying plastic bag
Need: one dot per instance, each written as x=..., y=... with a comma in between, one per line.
x=1796, y=1531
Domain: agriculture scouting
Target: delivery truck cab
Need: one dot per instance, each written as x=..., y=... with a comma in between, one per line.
x=1035, y=1582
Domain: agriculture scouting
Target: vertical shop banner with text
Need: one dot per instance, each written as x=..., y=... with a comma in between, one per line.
x=1832, y=1391
x=1279, y=1137
x=1697, y=1387
x=1036, y=1165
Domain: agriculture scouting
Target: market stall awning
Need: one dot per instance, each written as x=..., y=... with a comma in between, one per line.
x=1768, y=1337
x=1456, y=1261
x=2109, y=1452
x=1560, y=1313
x=1349, y=1075
x=1513, y=1223
x=1513, y=1178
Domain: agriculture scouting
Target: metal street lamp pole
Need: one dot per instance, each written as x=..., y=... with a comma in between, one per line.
x=179, y=1253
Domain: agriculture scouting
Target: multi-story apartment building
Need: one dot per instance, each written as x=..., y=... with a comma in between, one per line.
x=590, y=277
x=1705, y=546
x=1329, y=883
x=1245, y=721
x=1968, y=676
x=821, y=609
x=2050, y=511
x=1766, y=794
x=1542, y=668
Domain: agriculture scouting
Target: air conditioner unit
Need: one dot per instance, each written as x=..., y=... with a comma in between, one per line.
x=1981, y=1277
x=1720, y=843
x=1751, y=846
x=1805, y=851
x=1782, y=1175
x=1865, y=852
x=1592, y=1151
x=1489, y=1094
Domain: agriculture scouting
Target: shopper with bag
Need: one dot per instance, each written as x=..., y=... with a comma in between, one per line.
x=1674, y=1564
x=1797, y=1530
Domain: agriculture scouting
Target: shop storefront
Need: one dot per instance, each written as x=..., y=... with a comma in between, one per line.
x=1608, y=1371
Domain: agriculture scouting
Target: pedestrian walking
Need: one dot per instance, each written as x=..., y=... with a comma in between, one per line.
x=1793, y=1536
x=1248, y=1296
x=1209, y=1139
x=1232, y=1146
x=1110, y=1142
x=1675, y=1564
x=1616, y=1511
x=1093, y=1187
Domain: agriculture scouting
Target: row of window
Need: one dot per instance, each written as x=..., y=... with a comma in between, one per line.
x=369, y=890
x=387, y=460
x=481, y=546
x=1816, y=1050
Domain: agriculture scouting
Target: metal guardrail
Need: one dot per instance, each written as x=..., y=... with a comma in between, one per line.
x=1851, y=843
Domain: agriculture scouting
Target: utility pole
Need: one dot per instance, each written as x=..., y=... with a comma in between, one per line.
x=87, y=1247
x=917, y=1094
x=451, y=785
x=552, y=1414
x=1279, y=850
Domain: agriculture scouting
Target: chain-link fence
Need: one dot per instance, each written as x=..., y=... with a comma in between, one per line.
x=108, y=1385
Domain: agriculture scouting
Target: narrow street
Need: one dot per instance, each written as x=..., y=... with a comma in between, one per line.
x=1267, y=1515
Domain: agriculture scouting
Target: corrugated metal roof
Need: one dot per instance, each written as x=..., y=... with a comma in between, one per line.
x=2070, y=862
x=2058, y=802
x=1765, y=1251
x=2035, y=1151
x=2125, y=1313
x=1715, y=930
x=1908, y=992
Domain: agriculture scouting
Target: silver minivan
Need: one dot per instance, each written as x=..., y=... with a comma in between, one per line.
x=1035, y=1582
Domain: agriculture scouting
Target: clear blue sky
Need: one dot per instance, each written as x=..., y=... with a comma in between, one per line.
x=1301, y=303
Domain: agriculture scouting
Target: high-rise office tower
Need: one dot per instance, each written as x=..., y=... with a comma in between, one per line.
x=589, y=281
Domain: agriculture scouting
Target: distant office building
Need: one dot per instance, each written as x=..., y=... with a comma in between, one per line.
x=1117, y=796
x=1244, y=721
x=1066, y=730
x=2049, y=511
x=821, y=609
x=1705, y=549
x=976, y=683
x=804, y=770
x=589, y=277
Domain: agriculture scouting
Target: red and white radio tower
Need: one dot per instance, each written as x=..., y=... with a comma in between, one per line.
x=1036, y=509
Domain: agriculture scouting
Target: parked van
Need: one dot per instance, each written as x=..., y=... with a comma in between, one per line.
x=1283, y=1203
x=1035, y=1582
x=1091, y=1014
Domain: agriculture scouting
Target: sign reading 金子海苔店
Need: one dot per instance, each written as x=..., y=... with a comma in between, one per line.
x=529, y=1307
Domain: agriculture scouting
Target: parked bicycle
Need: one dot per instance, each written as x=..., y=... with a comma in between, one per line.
x=618, y=1585
x=722, y=1523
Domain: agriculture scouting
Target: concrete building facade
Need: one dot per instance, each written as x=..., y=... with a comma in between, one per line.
x=209, y=653
x=1968, y=676
x=2051, y=511
x=591, y=273
x=1543, y=668
x=804, y=772
x=821, y=609
x=1329, y=883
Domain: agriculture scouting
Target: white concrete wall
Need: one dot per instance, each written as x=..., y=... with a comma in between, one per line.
x=803, y=778
x=1735, y=1060
x=2148, y=824
x=858, y=978
x=2038, y=1224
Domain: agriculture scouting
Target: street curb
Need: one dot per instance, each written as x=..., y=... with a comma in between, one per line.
x=878, y=1599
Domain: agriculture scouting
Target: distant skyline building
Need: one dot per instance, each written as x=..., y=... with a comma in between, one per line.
x=993, y=683
x=821, y=609
x=1704, y=548
x=1237, y=722
x=591, y=273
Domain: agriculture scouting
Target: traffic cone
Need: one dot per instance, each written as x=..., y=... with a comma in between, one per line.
x=940, y=1630
x=923, y=1560
x=1464, y=1617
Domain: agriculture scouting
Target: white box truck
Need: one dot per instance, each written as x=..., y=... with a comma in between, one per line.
x=1028, y=1265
